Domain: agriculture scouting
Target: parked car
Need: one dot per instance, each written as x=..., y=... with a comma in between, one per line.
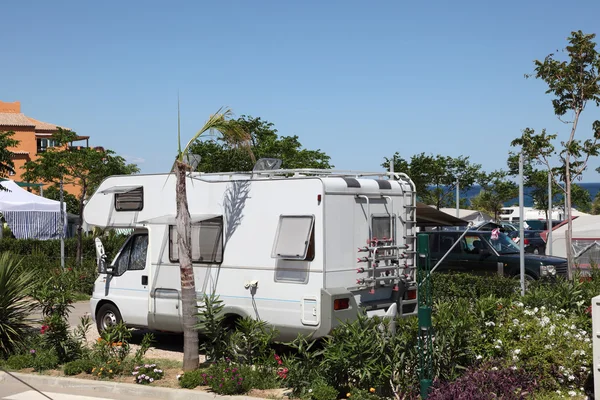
x=490, y=226
x=539, y=224
x=533, y=241
x=479, y=253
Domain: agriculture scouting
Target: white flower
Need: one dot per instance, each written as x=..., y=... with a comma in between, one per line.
x=151, y=379
x=490, y=323
x=479, y=357
x=584, y=368
x=134, y=373
x=587, y=339
x=535, y=310
x=515, y=358
x=561, y=311
x=499, y=341
x=544, y=321
x=519, y=304
x=515, y=321
x=494, y=368
x=573, y=327
x=572, y=393
x=561, y=368
x=548, y=347
x=542, y=307
x=309, y=390
x=178, y=376
x=517, y=351
x=498, y=347
x=571, y=378
x=513, y=367
x=558, y=391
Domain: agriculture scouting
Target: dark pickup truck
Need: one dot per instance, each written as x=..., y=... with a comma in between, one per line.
x=479, y=254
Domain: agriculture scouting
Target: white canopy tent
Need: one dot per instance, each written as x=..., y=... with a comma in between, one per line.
x=29, y=216
x=585, y=241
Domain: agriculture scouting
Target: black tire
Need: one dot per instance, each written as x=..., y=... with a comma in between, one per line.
x=536, y=251
x=107, y=315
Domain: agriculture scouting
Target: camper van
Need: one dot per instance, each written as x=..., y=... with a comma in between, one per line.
x=299, y=249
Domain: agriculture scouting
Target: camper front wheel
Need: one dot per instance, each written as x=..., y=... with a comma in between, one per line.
x=107, y=315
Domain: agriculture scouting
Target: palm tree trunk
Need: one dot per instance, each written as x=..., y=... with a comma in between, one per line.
x=186, y=271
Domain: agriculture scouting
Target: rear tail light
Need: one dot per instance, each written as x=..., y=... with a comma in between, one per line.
x=526, y=241
x=341, y=304
x=411, y=294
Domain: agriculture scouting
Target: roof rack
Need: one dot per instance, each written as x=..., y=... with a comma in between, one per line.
x=306, y=172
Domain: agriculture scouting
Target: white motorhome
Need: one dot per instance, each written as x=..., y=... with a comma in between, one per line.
x=299, y=249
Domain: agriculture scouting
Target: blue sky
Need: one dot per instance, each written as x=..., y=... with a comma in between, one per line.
x=356, y=79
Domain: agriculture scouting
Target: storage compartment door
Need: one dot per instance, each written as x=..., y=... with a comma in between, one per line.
x=310, y=311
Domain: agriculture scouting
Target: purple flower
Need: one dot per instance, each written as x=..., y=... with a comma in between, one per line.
x=32, y=351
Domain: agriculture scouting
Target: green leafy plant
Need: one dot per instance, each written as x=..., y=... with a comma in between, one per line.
x=211, y=325
x=302, y=366
x=250, y=342
x=192, y=379
x=228, y=379
x=45, y=359
x=145, y=345
x=76, y=367
x=113, y=344
x=15, y=306
x=321, y=390
x=20, y=361
x=147, y=373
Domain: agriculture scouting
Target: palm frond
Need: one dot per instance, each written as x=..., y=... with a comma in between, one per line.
x=231, y=131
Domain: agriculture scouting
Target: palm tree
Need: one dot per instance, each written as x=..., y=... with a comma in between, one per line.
x=233, y=133
x=16, y=306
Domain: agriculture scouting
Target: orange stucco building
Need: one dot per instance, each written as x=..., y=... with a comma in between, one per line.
x=34, y=138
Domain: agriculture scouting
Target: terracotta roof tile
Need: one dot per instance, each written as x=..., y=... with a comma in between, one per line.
x=44, y=126
x=14, y=119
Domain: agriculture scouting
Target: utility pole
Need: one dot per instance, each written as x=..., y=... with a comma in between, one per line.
x=62, y=225
x=457, y=198
x=549, y=238
x=521, y=232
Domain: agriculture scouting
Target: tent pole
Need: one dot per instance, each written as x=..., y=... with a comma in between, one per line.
x=62, y=227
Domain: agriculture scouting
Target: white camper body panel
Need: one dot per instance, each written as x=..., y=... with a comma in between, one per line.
x=296, y=296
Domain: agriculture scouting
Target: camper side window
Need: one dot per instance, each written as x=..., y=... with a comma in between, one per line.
x=130, y=201
x=133, y=255
x=293, y=238
x=207, y=242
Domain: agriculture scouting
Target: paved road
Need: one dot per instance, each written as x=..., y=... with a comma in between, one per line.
x=12, y=389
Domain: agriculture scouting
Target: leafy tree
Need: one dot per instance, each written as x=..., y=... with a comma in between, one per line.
x=435, y=177
x=573, y=83
x=495, y=191
x=234, y=134
x=6, y=156
x=84, y=167
x=595, y=209
x=53, y=193
x=220, y=156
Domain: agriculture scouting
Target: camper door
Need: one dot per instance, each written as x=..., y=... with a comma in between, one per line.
x=129, y=280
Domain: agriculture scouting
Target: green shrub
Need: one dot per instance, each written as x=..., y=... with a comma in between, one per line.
x=78, y=366
x=192, y=379
x=320, y=390
x=250, y=342
x=20, y=361
x=15, y=306
x=45, y=359
x=113, y=344
x=227, y=379
x=450, y=286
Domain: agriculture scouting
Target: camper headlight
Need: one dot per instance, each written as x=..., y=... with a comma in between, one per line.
x=548, y=270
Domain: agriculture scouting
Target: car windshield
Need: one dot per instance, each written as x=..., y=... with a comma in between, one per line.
x=503, y=245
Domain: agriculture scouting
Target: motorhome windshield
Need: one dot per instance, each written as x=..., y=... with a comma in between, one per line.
x=503, y=245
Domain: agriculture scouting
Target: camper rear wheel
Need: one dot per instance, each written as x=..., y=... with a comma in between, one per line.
x=107, y=315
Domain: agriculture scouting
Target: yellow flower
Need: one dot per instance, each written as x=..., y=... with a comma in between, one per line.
x=94, y=369
x=110, y=371
x=372, y=390
x=99, y=374
x=102, y=369
x=347, y=394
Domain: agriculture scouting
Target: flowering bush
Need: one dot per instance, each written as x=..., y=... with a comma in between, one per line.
x=484, y=383
x=147, y=373
x=107, y=369
x=227, y=379
x=544, y=342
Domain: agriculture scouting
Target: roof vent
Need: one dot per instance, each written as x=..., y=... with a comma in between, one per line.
x=267, y=164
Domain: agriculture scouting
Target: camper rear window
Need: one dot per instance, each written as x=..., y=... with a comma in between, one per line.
x=130, y=201
x=381, y=226
x=293, y=237
x=207, y=242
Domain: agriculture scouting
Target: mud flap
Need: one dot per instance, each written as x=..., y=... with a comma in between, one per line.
x=390, y=315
